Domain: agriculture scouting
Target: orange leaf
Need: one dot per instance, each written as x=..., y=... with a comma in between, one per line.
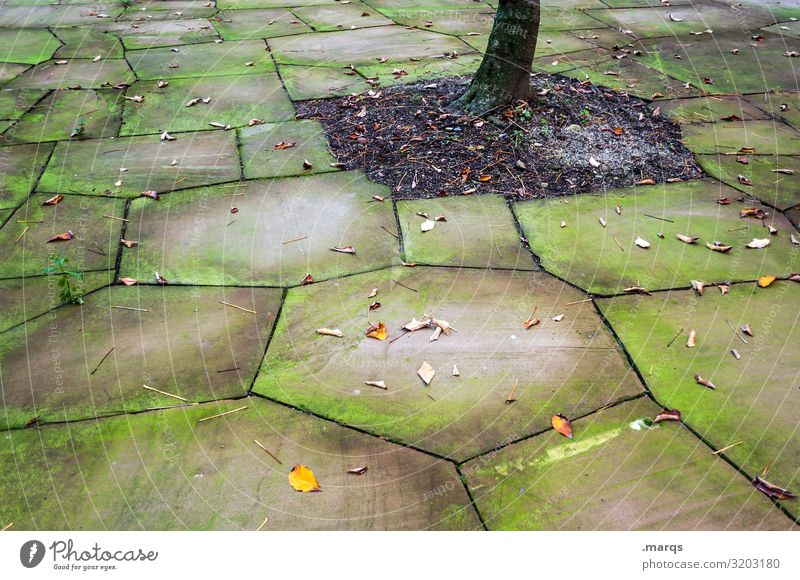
x=562, y=425
x=377, y=331
x=764, y=281
x=301, y=478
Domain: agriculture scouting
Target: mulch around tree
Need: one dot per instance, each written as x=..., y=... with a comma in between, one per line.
x=569, y=137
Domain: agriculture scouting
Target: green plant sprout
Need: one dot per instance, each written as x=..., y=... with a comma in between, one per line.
x=68, y=280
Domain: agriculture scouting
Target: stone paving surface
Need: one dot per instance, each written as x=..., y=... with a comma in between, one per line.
x=214, y=234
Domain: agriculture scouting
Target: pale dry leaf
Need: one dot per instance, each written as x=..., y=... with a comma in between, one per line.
x=330, y=332
x=426, y=372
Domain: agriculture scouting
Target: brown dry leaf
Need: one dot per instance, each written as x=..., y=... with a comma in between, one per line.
x=358, y=470
x=53, y=200
x=150, y=194
x=618, y=209
x=378, y=384
x=64, y=237
x=440, y=218
x=426, y=372
x=755, y=212
x=530, y=322
x=562, y=425
x=691, y=342
x=373, y=294
x=128, y=243
x=284, y=145
x=705, y=382
x=764, y=281
x=784, y=171
x=344, y=249
x=128, y=281
x=758, y=243
x=377, y=331
x=723, y=288
x=307, y=164
x=415, y=324
x=747, y=150
x=330, y=332
x=772, y=490
x=374, y=306
x=668, y=415
x=636, y=290
x=160, y=279
x=436, y=333
x=646, y=181
x=745, y=328
x=301, y=478
x=307, y=279
x=718, y=247
x=744, y=180
x=617, y=131
x=698, y=286
x=687, y=239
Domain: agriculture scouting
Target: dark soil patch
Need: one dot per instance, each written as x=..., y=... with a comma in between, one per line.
x=571, y=137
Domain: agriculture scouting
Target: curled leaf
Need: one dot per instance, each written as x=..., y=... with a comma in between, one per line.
x=160, y=279
x=764, y=281
x=377, y=330
x=344, y=249
x=705, y=382
x=427, y=225
x=687, y=239
x=53, y=200
x=330, y=332
x=758, y=243
x=691, y=342
x=745, y=328
x=128, y=281
x=718, y=247
x=128, y=243
x=64, y=237
x=373, y=293
x=301, y=478
x=562, y=425
x=636, y=290
x=378, y=384
x=698, y=286
x=358, y=470
x=455, y=371
x=772, y=490
x=307, y=279
x=668, y=415
x=642, y=243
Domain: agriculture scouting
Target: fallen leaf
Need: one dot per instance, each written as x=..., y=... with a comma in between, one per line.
x=160, y=279
x=167, y=137
x=563, y=224
x=745, y=328
x=415, y=325
x=642, y=243
x=128, y=281
x=691, y=342
x=301, y=478
x=698, y=286
x=344, y=249
x=426, y=372
x=455, y=371
x=435, y=335
x=636, y=290
x=784, y=171
x=668, y=415
x=772, y=490
x=602, y=221
x=794, y=239
x=440, y=218
x=307, y=279
x=562, y=425
x=718, y=247
x=645, y=181
x=53, y=200
x=675, y=18
x=66, y=236
x=705, y=382
x=558, y=318
x=744, y=180
x=764, y=281
x=687, y=239
x=374, y=306
x=758, y=243
x=284, y=145
x=723, y=288
x=150, y=194
x=427, y=225
x=530, y=322
x=307, y=164
x=358, y=470
x=618, y=209
x=219, y=125
x=377, y=330
x=373, y=293
x=128, y=243
x=755, y=212
x=330, y=332
x=378, y=384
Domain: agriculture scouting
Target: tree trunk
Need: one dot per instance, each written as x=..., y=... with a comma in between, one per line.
x=504, y=74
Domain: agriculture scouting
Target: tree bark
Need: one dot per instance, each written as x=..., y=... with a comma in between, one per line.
x=504, y=74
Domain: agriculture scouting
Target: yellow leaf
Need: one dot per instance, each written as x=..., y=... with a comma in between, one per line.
x=765, y=281
x=301, y=478
x=562, y=425
x=377, y=331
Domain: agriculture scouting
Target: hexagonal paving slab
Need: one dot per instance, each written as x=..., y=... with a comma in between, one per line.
x=572, y=366
x=479, y=233
x=20, y=167
x=363, y=46
x=171, y=472
x=26, y=46
x=235, y=101
x=251, y=24
x=27, y=298
x=95, y=166
x=262, y=156
x=327, y=17
x=76, y=73
x=320, y=82
x=605, y=260
x=202, y=60
x=281, y=230
x=181, y=341
x=165, y=33
x=781, y=190
x=617, y=473
x=756, y=396
x=87, y=42
x=766, y=137
x=23, y=239
x=64, y=114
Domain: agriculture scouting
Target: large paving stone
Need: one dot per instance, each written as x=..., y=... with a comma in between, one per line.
x=283, y=230
x=202, y=60
x=170, y=472
x=252, y=24
x=94, y=166
x=341, y=16
x=168, y=10
x=757, y=67
x=235, y=101
x=20, y=167
x=766, y=137
x=320, y=82
x=393, y=72
x=76, y=73
x=26, y=46
x=788, y=29
x=780, y=104
x=479, y=233
x=246, y=4
x=756, y=397
x=93, y=247
x=774, y=10
x=161, y=33
x=571, y=367
x=10, y=71
x=95, y=113
x=184, y=342
x=448, y=21
x=87, y=42
x=573, y=61
x=260, y=158
x=558, y=18
x=41, y=16
x=589, y=255
x=617, y=474
x=27, y=298
x=776, y=189
x=709, y=109
x=363, y=46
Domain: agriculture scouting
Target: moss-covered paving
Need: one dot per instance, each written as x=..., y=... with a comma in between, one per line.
x=572, y=366
x=76, y=73
x=252, y=24
x=26, y=46
x=584, y=240
x=181, y=341
x=756, y=395
x=21, y=166
x=165, y=470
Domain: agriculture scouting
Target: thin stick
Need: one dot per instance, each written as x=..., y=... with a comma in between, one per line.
x=130, y=308
x=102, y=360
x=165, y=393
x=228, y=370
x=29, y=221
x=579, y=301
x=403, y=285
x=390, y=233
x=221, y=414
x=743, y=339
x=400, y=336
x=19, y=237
x=498, y=249
x=238, y=307
x=7, y=527
x=294, y=240
x=268, y=451
x=767, y=468
x=655, y=217
x=264, y=523
x=113, y=217
x=511, y=398
x=431, y=398
x=674, y=338
x=726, y=448
x=620, y=245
